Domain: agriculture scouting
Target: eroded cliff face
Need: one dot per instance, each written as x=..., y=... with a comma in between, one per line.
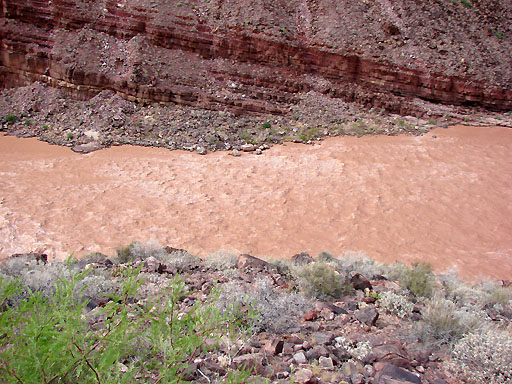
x=257, y=56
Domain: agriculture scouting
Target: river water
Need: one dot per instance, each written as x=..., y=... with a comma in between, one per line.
x=443, y=198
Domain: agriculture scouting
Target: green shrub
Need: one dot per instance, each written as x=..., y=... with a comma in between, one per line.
x=418, y=278
x=11, y=118
x=49, y=340
x=321, y=280
x=124, y=254
x=325, y=257
x=466, y=3
x=483, y=357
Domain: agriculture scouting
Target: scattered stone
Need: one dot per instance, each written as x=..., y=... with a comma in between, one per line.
x=249, y=361
x=303, y=376
x=246, y=261
x=367, y=316
x=317, y=351
x=248, y=147
x=87, y=148
x=259, y=151
x=302, y=258
x=326, y=362
x=391, y=374
x=311, y=315
x=322, y=338
x=300, y=358
x=201, y=150
x=274, y=346
x=236, y=153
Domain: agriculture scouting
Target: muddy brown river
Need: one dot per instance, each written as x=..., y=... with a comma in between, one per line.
x=443, y=198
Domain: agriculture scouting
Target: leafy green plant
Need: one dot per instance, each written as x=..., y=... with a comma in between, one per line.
x=499, y=34
x=466, y=3
x=266, y=124
x=50, y=340
x=432, y=121
x=69, y=136
x=11, y=118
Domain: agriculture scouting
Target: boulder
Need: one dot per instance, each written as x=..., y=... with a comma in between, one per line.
x=360, y=282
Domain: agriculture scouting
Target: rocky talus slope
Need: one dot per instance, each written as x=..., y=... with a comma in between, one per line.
x=372, y=331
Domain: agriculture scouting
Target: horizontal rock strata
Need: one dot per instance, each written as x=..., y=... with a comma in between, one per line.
x=193, y=53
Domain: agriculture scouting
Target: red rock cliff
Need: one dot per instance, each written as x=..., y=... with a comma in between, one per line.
x=256, y=56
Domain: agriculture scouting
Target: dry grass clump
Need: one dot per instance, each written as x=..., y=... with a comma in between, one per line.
x=398, y=305
x=418, y=278
x=483, y=357
x=445, y=323
x=358, y=262
x=141, y=251
x=221, y=260
x=180, y=260
x=275, y=309
x=321, y=280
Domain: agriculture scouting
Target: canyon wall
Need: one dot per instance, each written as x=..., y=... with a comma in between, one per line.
x=255, y=57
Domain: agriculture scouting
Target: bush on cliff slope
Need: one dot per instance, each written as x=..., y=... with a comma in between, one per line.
x=48, y=339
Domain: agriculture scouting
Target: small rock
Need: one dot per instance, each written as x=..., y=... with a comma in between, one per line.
x=393, y=374
x=326, y=362
x=316, y=352
x=274, y=346
x=302, y=258
x=87, y=148
x=259, y=151
x=249, y=361
x=248, y=147
x=367, y=316
x=300, y=358
x=151, y=264
x=245, y=260
x=322, y=338
x=311, y=315
x=369, y=371
x=303, y=376
x=201, y=150
x=288, y=349
x=236, y=153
